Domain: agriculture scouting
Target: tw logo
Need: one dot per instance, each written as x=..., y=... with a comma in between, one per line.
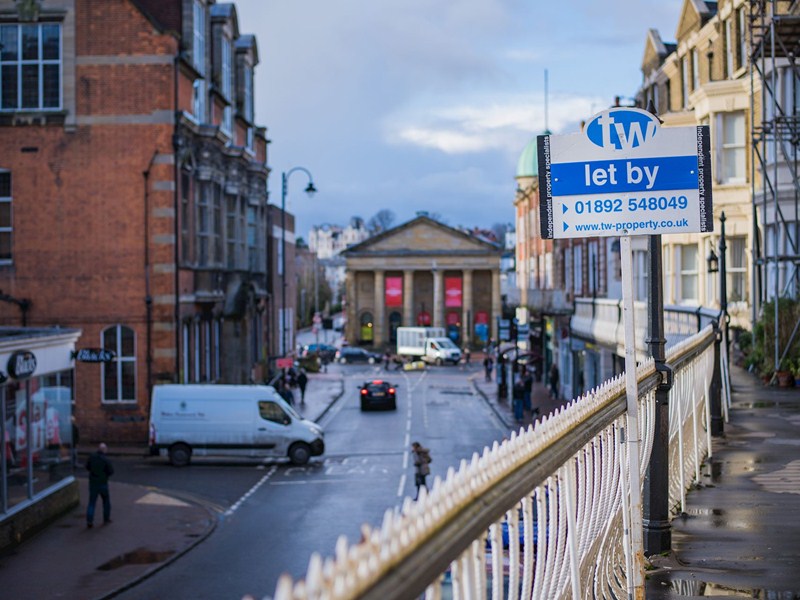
x=622, y=128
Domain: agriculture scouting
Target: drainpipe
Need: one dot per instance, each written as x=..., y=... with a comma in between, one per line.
x=148, y=298
x=176, y=146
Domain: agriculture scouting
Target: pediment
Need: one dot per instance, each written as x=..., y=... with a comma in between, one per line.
x=693, y=15
x=654, y=52
x=420, y=236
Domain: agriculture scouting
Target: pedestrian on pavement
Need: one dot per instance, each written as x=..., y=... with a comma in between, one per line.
x=467, y=355
x=518, y=399
x=302, y=382
x=100, y=469
x=422, y=458
x=553, y=380
x=488, y=363
x=285, y=392
x=387, y=360
x=527, y=382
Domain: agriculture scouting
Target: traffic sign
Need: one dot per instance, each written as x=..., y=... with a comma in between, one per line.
x=624, y=174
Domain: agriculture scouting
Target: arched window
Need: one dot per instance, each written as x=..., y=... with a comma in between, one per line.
x=366, y=327
x=119, y=376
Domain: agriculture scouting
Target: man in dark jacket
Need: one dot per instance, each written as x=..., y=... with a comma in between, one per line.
x=100, y=469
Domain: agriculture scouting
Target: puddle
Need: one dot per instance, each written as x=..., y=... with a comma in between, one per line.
x=140, y=556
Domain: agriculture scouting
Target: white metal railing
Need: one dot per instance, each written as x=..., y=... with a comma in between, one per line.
x=539, y=515
x=600, y=320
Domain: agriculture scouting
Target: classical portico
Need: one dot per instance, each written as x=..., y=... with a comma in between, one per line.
x=422, y=273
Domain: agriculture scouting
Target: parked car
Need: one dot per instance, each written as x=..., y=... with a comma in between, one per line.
x=357, y=355
x=378, y=393
x=324, y=351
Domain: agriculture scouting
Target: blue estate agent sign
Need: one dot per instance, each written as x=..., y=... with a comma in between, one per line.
x=625, y=175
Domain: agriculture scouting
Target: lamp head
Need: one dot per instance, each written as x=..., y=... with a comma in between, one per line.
x=713, y=262
x=310, y=189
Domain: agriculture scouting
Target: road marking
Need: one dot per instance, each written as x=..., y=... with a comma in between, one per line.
x=250, y=492
x=402, y=485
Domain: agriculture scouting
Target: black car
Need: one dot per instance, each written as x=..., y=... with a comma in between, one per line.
x=380, y=394
x=357, y=355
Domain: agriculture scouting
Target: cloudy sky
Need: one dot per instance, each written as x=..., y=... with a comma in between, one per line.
x=417, y=105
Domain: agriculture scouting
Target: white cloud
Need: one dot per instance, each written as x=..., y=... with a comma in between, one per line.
x=484, y=127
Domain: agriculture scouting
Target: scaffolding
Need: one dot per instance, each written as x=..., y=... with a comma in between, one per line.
x=774, y=36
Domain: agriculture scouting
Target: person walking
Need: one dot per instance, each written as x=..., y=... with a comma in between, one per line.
x=285, y=392
x=518, y=399
x=302, y=382
x=467, y=355
x=527, y=381
x=387, y=360
x=100, y=469
x=553, y=380
x=488, y=363
x=422, y=458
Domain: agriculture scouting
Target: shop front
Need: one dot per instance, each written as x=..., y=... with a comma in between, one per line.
x=37, y=480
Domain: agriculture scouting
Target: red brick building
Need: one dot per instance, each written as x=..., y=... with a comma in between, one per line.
x=133, y=196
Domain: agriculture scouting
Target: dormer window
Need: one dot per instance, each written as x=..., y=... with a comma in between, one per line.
x=30, y=66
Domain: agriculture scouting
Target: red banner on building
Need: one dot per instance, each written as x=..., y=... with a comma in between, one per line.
x=452, y=291
x=423, y=318
x=394, y=291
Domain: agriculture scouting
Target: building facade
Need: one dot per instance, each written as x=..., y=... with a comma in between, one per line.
x=134, y=183
x=422, y=273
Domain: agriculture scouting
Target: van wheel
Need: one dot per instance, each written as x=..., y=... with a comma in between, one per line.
x=343, y=360
x=371, y=360
x=299, y=453
x=180, y=455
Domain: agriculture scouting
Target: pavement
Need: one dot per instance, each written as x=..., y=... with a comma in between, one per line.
x=738, y=535
x=150, y=528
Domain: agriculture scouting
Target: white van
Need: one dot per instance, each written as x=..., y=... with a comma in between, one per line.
x=229, y=420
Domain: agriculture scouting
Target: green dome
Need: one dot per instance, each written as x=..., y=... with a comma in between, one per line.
x=528, y=165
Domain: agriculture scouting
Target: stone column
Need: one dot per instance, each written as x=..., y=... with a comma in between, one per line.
x=351, y=314
x=437, y=310
x=469, y=314
x=408, y=298
x=378, y=325
x=497, y=306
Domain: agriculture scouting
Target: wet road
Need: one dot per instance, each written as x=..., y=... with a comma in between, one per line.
x=283, y=514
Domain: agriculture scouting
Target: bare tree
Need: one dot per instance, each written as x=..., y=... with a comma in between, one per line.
x=381, y=221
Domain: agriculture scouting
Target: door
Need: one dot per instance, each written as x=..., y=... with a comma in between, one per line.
x=271, y=429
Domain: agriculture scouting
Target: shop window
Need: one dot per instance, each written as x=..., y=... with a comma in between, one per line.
x=119, y=376
x=30, y=66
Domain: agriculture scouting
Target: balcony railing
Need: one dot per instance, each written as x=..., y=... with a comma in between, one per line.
x=539, y=515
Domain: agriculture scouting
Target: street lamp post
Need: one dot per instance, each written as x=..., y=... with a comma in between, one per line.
x=310, y=190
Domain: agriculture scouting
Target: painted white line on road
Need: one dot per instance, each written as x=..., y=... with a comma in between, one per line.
x=250, y=492
x=402, y=485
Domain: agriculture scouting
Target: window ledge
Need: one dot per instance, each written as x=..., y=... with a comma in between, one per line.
x=32, y=118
